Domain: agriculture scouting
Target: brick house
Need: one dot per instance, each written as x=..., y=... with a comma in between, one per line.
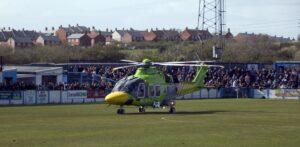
x=18, y=38
x=154, y=35
x=133, y=36
x=19, y=42
x=96, y=38
x=47, y=40
x=82, y=40
x=63, y=32
x=228, y=35
x=195, y=35
x=108, y=36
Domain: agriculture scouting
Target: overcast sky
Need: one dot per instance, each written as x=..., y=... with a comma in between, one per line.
x=274, y=17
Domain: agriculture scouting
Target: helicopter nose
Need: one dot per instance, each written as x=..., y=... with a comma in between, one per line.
x=117, y=98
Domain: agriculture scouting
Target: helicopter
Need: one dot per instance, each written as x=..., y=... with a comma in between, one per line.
x=151, y=87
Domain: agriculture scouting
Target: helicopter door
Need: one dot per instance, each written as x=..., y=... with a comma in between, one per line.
x=141, y=90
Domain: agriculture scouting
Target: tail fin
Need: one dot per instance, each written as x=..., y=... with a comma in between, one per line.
x=197, y=83
x=201, y=73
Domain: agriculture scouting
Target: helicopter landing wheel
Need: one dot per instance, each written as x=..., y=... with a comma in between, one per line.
x=172, y=110
x=142, y=110
x=120, y=111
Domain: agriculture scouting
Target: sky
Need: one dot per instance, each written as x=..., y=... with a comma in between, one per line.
x=273, y=17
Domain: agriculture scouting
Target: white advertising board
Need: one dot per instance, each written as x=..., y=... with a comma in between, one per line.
x=30, y=97
x=54, y=97
x=42, y=97
x=78, y=94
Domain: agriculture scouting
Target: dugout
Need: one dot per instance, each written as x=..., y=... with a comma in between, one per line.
x=8, y=75
x=38, y=75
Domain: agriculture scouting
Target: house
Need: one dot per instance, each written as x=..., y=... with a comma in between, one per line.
x=63, y=32
x=82, y=40
x=154, y=35
x=19, y=38
x=4, y=36
x=228, y=35
x=118, y=35
x=195, y=35
x=171, y=35
x=47, y=40
x=31, y=34
x=96, y=38
x=108, y=36
x=133, y=36
x=50, y=31
x=19, y=42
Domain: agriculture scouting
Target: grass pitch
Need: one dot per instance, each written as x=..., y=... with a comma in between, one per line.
x=232, y=123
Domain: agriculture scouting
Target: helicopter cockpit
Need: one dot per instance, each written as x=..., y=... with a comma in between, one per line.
x=129, y=85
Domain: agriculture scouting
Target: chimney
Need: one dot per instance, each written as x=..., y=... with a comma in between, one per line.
x=228, y=30
x=156, y=29
x=77, y=25
x=60, y=26
x=23, y=29
x=151, y=29
x=4, y=28
x=106, y=29
x=93, y=27
x=46, y=28
x=123, y=29
x=69, y=25
x=9, y=28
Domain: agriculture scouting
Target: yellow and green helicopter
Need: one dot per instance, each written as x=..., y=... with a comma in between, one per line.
x=151, y=87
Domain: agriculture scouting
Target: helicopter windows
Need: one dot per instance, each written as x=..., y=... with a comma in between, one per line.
x=141, y=90
x=157, y=89
x=151, y=91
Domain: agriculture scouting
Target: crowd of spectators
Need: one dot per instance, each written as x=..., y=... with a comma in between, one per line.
x=103, y=78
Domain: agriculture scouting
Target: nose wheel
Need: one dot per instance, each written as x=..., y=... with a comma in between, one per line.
x=172, y=107
x=120, y=111
x=142, y=110
x=172, y=110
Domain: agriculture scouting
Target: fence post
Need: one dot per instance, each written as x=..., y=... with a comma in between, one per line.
x=48, y=96
x=60, y=98
x=23, y=97
x=200, y=95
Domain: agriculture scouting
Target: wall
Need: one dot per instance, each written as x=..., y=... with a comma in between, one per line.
x=32, y=97
x=278, y=94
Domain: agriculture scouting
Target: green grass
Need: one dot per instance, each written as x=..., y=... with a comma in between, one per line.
x=232, y=123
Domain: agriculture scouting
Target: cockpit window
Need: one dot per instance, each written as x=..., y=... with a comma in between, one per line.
x=129, y=85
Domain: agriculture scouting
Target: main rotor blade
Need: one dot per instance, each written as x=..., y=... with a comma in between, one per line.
x=186, y=62
x=122, y=67
x=130, y=61
x=191, y=65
